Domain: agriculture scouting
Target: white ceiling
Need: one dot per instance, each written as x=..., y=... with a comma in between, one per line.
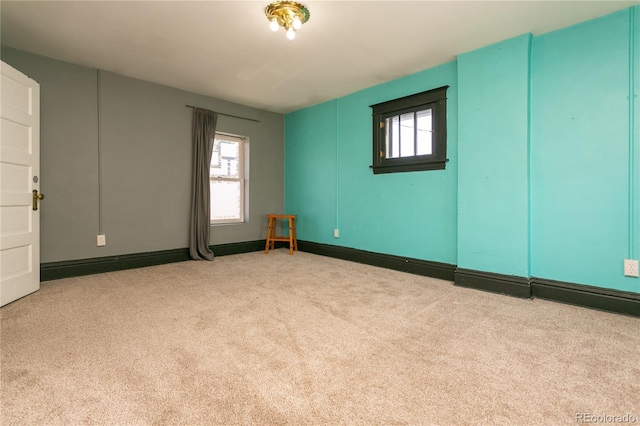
x=225, y=49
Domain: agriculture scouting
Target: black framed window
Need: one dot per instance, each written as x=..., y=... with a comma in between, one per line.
x=410, y=133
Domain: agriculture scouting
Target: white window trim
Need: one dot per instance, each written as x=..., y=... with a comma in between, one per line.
x=241, y=177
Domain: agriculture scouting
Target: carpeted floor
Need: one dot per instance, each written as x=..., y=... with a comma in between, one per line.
x=304, y=339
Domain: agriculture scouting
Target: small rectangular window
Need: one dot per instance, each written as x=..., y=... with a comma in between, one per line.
x=410, y=133
x=227, y=179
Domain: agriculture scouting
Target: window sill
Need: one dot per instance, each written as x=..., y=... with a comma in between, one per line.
x=397, y=168
x=234, y=222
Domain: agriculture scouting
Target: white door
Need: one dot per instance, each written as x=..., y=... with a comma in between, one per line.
x=19, y=183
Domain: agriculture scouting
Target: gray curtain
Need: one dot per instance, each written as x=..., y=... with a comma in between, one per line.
x=203, y=131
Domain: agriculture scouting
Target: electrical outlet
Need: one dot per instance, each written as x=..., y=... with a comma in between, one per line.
x=630, y=268
x=102, y=240
x=336, y=233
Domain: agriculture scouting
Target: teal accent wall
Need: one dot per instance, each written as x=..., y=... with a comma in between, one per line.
x=582, y=153
x=310, y=171
x=493, y=215
x=329, y=184
x=543, y=178
x=634, y=136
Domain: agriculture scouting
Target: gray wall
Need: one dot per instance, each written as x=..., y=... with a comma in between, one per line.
x=145, y=158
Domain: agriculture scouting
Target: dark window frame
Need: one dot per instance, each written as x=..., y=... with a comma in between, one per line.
x=436, y=100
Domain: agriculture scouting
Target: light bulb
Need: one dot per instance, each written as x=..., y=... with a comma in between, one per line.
x=274, y=25
x=296, y=23
x=291, y=34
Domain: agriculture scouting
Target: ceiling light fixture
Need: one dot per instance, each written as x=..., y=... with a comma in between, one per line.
x=289, y=15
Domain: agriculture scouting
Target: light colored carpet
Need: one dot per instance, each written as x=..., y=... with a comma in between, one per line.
x=305, y=339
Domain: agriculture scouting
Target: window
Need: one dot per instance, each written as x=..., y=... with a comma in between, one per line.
x=227, y=179
x=410, y=133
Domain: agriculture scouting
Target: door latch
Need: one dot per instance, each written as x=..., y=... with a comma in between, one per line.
x=36, y=198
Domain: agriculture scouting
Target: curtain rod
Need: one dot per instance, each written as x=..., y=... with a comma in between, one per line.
x=228, y=115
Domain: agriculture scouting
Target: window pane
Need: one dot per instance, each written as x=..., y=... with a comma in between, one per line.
x=225, y=160
x=226, y=200
x=425, y=123
x=387, y=138
x=393, y=130
x=406, y=135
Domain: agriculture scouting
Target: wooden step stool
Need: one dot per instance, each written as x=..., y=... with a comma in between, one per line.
x=271, y=232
